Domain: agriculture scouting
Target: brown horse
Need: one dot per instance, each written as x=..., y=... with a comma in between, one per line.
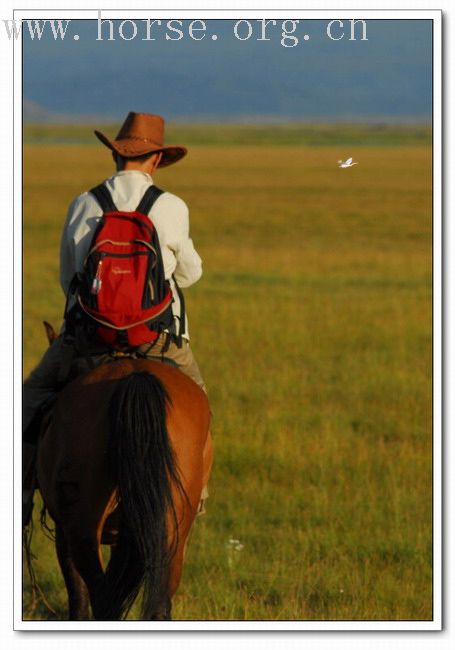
x=123, y=462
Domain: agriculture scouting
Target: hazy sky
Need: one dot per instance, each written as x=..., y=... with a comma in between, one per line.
x=389, y=75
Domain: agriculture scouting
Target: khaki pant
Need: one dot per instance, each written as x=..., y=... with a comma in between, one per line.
x=182, y=356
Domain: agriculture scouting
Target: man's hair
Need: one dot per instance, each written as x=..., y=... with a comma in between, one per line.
x=122, y=160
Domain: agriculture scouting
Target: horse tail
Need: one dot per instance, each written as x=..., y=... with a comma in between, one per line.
x=143, y=467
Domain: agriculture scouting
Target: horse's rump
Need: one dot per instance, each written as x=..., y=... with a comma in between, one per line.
x=73, y=448
x=126, y=414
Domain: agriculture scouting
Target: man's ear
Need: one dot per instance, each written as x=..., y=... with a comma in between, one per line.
x=158, y=159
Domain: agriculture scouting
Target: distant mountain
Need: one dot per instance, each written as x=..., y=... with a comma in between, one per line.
x=34, y=112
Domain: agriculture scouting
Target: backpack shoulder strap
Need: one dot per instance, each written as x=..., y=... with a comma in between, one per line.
x=104, y=198
x=149, y=198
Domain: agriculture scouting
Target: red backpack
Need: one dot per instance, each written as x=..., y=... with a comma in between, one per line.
x=122, y=288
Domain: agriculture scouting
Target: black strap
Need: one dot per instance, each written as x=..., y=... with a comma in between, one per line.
x=182, y=309
x=122, y=339
x=149, y=198
x=104, y=198
x=71, y=291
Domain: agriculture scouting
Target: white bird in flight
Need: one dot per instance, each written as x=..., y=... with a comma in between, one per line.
x=346, y=163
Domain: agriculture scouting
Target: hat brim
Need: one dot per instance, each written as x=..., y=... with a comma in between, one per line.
x=130, y=148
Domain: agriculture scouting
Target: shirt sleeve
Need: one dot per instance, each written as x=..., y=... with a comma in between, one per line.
x=188, y=269
x=81, y=221
x=67, y=252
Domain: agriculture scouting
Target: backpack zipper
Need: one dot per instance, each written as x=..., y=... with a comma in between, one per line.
x=97, y=282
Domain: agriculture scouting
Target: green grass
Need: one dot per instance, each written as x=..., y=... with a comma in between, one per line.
x=380, y=134
x=312, y=327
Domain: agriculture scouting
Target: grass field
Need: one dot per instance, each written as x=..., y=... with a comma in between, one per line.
x=312, y=327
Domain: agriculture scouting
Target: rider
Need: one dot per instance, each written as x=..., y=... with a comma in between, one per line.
x=137, y=150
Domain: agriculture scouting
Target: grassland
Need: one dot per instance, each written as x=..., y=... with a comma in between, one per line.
x=312, y=326
x=317, y=135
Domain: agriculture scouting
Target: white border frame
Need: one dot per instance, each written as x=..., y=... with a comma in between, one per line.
x=208, y=14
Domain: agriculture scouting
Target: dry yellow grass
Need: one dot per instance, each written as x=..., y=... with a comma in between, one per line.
x=312, y=326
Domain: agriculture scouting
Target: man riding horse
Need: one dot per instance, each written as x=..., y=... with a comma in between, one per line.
x=138, y=151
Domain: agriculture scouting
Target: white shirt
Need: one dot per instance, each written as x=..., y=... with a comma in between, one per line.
x=170, y=218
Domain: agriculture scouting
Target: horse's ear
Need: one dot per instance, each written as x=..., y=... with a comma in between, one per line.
x=50, y=332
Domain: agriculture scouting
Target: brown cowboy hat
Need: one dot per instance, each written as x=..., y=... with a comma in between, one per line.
x=142, y=133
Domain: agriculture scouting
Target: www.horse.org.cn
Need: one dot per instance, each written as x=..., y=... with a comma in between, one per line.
x=147, y=29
